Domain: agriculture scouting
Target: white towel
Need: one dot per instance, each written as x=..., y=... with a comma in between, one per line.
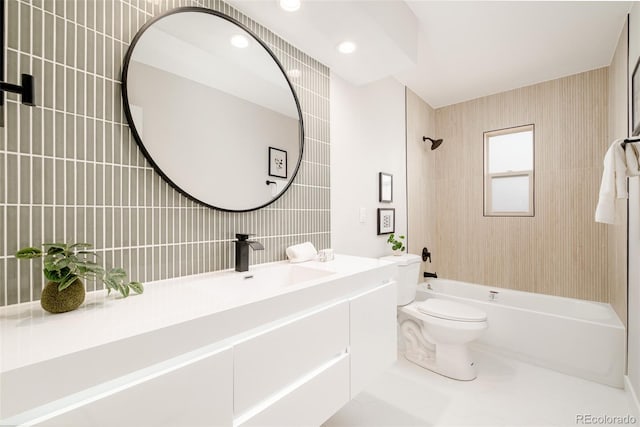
x=631, y=155
x=302, y=252
x=614, y=183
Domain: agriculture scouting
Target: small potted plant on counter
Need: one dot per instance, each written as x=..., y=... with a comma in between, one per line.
x=65, y=265
x=397, y=245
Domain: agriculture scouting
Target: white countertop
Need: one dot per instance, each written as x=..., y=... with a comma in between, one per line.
x=30, y=335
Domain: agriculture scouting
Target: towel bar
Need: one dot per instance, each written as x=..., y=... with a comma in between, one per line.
x=626, y=141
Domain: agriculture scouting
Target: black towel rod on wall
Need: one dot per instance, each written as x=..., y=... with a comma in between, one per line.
x=25, y=89
x=624, y=143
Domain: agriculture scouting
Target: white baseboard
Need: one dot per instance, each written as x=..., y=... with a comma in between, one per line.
x=632, y=395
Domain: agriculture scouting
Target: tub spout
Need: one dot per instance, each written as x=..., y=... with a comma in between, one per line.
x=427, y=275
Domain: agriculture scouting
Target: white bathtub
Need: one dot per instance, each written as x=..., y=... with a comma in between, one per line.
x=581, y=338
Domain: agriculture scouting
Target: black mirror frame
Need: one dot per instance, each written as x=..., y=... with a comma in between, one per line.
x=2, y=53
x=136, y=136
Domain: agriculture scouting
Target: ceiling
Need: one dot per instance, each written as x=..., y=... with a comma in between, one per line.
x=450, y=51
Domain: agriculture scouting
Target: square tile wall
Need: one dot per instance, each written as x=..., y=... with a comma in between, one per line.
x=71, y=171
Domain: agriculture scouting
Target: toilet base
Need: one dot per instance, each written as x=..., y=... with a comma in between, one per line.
x=454, y=363
x=450, y=360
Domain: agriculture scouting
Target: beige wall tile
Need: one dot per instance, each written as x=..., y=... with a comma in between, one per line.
x=559, y=251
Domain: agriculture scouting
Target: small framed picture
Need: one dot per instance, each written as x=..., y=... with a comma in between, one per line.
x=635, y=99
x=385, y=186
x=386, y=220
x=277, y=163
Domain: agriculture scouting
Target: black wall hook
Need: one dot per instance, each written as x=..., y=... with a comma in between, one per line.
x=25, y=90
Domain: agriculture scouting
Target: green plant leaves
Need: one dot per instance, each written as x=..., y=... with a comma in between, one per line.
x=115, y=280
x=64, y=263
x=110, y=283
x=396, y=244
x=137, y=287
x=118, y=274
x=80, y=246
x=67, y=281
x=56, y=275
x=85, y=254
x=29, y=253
x=53, y=248
x=90, y=270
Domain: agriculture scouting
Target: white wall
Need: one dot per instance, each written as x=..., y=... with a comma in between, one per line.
x=367, y=137
x=633, y=330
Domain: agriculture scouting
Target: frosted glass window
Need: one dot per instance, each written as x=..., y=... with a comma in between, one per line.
x=511, y=152
x=508, y=171
x=510, y=193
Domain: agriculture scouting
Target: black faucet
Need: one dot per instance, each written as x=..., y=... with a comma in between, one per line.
x=242, y=251
x=427, y=275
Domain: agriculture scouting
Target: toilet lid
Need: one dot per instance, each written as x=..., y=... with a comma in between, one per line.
x=451, y=310
x=404, y=259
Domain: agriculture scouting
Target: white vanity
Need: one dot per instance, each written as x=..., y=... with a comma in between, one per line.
x=288, y=346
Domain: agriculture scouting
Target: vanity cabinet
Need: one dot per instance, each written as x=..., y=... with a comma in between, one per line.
x=305, y=371
x=373, y=334
x=289, y=360
x=314, y=399
x=183, y=393
x=270, y=362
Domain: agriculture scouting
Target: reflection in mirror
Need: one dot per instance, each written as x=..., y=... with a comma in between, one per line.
x=206, y=100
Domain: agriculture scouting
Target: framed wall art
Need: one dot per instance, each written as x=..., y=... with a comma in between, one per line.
x=385, y=187
x=386, y=220
x=277, y=162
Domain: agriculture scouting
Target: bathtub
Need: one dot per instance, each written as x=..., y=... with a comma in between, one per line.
x=580, y=338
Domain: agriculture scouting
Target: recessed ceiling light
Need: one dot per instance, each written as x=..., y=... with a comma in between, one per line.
x=294, y=73
x=290, y=5
x=240, y=41
x=347, y=47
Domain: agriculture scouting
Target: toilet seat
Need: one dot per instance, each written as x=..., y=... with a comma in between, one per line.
x=412, y=311
x=450, y=310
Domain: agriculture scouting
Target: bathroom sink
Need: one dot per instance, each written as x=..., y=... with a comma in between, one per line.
x=281, y=275
x=258, y=281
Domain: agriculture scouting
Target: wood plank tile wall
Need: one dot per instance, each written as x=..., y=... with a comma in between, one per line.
x=618, y=105
x=560, y=251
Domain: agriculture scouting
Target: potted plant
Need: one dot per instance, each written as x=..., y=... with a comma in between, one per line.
x=65, y=265
x=397, y=245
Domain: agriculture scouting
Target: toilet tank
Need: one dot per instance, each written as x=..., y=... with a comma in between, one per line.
x=407, y=277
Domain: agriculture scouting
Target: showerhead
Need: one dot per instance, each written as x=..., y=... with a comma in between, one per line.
x=435, y=143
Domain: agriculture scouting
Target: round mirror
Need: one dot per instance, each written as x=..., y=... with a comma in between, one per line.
x=212, y=109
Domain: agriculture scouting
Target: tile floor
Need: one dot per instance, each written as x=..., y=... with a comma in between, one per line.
x=506, y=393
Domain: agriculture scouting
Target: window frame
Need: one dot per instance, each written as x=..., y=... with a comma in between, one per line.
x=487, y=177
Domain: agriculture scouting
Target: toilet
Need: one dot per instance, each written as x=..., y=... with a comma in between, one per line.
x=435, y=333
